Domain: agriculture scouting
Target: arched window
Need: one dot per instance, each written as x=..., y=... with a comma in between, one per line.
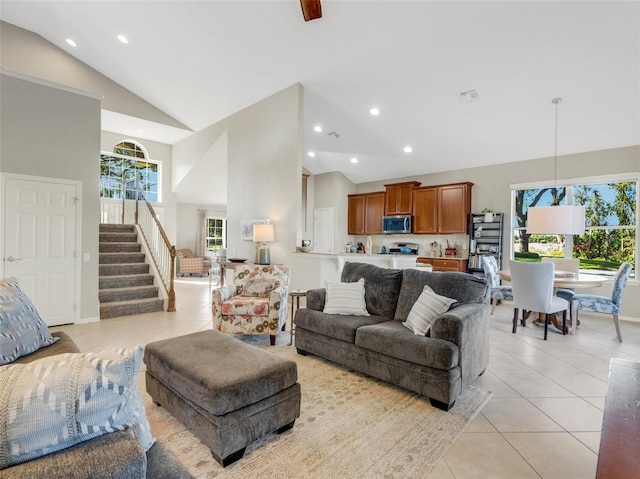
x=118, y=169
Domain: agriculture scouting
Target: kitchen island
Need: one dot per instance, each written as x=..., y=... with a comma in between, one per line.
x=313, y=270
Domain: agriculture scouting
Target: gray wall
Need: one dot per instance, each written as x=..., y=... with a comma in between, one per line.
x=53, y=133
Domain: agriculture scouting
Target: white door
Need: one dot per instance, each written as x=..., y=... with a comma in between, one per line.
x=323, y=230
x=40, y=244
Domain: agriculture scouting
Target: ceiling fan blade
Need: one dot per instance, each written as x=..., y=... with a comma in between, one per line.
x=311, y=9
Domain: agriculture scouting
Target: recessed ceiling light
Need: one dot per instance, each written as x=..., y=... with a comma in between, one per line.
x=374, y=111
x=311, y=154
x=407, y=149
x=317, y=128
x=354, y=160
x=123, y=39
x=71, y=42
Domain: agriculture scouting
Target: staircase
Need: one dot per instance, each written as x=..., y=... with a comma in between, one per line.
x=125, y=284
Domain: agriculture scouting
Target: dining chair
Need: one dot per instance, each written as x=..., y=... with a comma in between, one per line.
x=604, y=304
x=532, y=285
x=499, y=292
x=571, y=265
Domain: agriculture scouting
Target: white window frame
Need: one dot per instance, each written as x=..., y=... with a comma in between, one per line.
x=224, y=231
x=146, y=159
x=569, y=184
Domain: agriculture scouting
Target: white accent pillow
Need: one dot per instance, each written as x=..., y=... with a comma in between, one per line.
x=425, y=310
x=346, y=298
x=58, y=401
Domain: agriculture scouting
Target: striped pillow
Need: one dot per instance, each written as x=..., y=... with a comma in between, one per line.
x=346, y=298
x=62, y=400
x=425, y=310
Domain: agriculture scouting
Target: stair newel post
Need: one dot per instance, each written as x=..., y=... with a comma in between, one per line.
x=171, y=307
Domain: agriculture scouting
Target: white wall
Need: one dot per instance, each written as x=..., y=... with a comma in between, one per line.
x=54, y=133
x=25, y=52
x=331, y=190
x=264, y=172
x=162, y=153
x=188, y=223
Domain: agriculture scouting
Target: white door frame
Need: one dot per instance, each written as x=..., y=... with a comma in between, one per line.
x=78, y=256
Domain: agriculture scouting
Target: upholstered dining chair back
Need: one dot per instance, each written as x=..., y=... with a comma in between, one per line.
x=603, y=304
x=532, y=285
x=499, y=292
x=571, y=265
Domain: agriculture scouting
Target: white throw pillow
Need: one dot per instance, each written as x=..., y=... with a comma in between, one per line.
x=58, y=401
x=346, y=298
x=425, y=310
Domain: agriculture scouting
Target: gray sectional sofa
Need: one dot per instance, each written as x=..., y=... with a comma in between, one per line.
x=439, y=366
x=110, y=456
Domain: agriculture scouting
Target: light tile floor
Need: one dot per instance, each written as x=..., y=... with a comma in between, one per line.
x=545, y=415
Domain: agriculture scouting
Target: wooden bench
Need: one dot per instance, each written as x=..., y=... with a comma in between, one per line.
x=619, y=455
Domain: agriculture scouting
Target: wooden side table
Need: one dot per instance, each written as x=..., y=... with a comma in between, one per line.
x=295, y=294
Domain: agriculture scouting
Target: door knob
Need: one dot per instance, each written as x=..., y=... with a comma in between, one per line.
x=11, y=259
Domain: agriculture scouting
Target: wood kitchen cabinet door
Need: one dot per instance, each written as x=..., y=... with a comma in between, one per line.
x=399, y=198
x=374, y=210
x=365, y=213
x=425, y=210
x=454, y=208
x=356, y=214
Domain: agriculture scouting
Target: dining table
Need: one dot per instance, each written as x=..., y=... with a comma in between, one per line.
x=565, y=279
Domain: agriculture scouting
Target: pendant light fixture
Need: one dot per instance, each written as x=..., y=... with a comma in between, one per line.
x=556, y=220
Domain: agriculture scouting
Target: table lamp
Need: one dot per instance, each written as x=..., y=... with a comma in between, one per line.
x=262, y=234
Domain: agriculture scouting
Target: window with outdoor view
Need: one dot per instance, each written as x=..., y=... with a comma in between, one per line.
x=216, y=235
x=610, y=218
x=118, y=173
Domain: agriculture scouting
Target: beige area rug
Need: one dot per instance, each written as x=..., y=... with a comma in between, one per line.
x=350, y=426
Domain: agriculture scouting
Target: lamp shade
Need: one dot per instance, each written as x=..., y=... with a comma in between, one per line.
x=263, y=233
x=556, y=220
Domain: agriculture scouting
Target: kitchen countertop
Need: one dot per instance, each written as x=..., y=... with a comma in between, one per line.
x=378, y=255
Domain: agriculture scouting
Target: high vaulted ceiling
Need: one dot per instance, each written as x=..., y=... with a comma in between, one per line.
x=201, y=61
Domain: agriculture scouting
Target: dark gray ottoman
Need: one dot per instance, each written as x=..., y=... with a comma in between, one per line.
x=224, y=391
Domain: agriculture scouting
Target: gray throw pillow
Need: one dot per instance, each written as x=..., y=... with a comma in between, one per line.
x=22, y=330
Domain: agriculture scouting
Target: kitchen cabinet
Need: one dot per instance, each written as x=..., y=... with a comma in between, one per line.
x=445, y=264
x=442, y=209
x=365, y=213
x=399, y=198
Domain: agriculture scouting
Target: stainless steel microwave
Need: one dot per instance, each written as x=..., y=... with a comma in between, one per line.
x=400, y=224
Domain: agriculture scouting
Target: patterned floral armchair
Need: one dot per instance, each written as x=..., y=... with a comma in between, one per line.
x=188, y=263
x=603, y=304
x=498, y=292
x=255, y=304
